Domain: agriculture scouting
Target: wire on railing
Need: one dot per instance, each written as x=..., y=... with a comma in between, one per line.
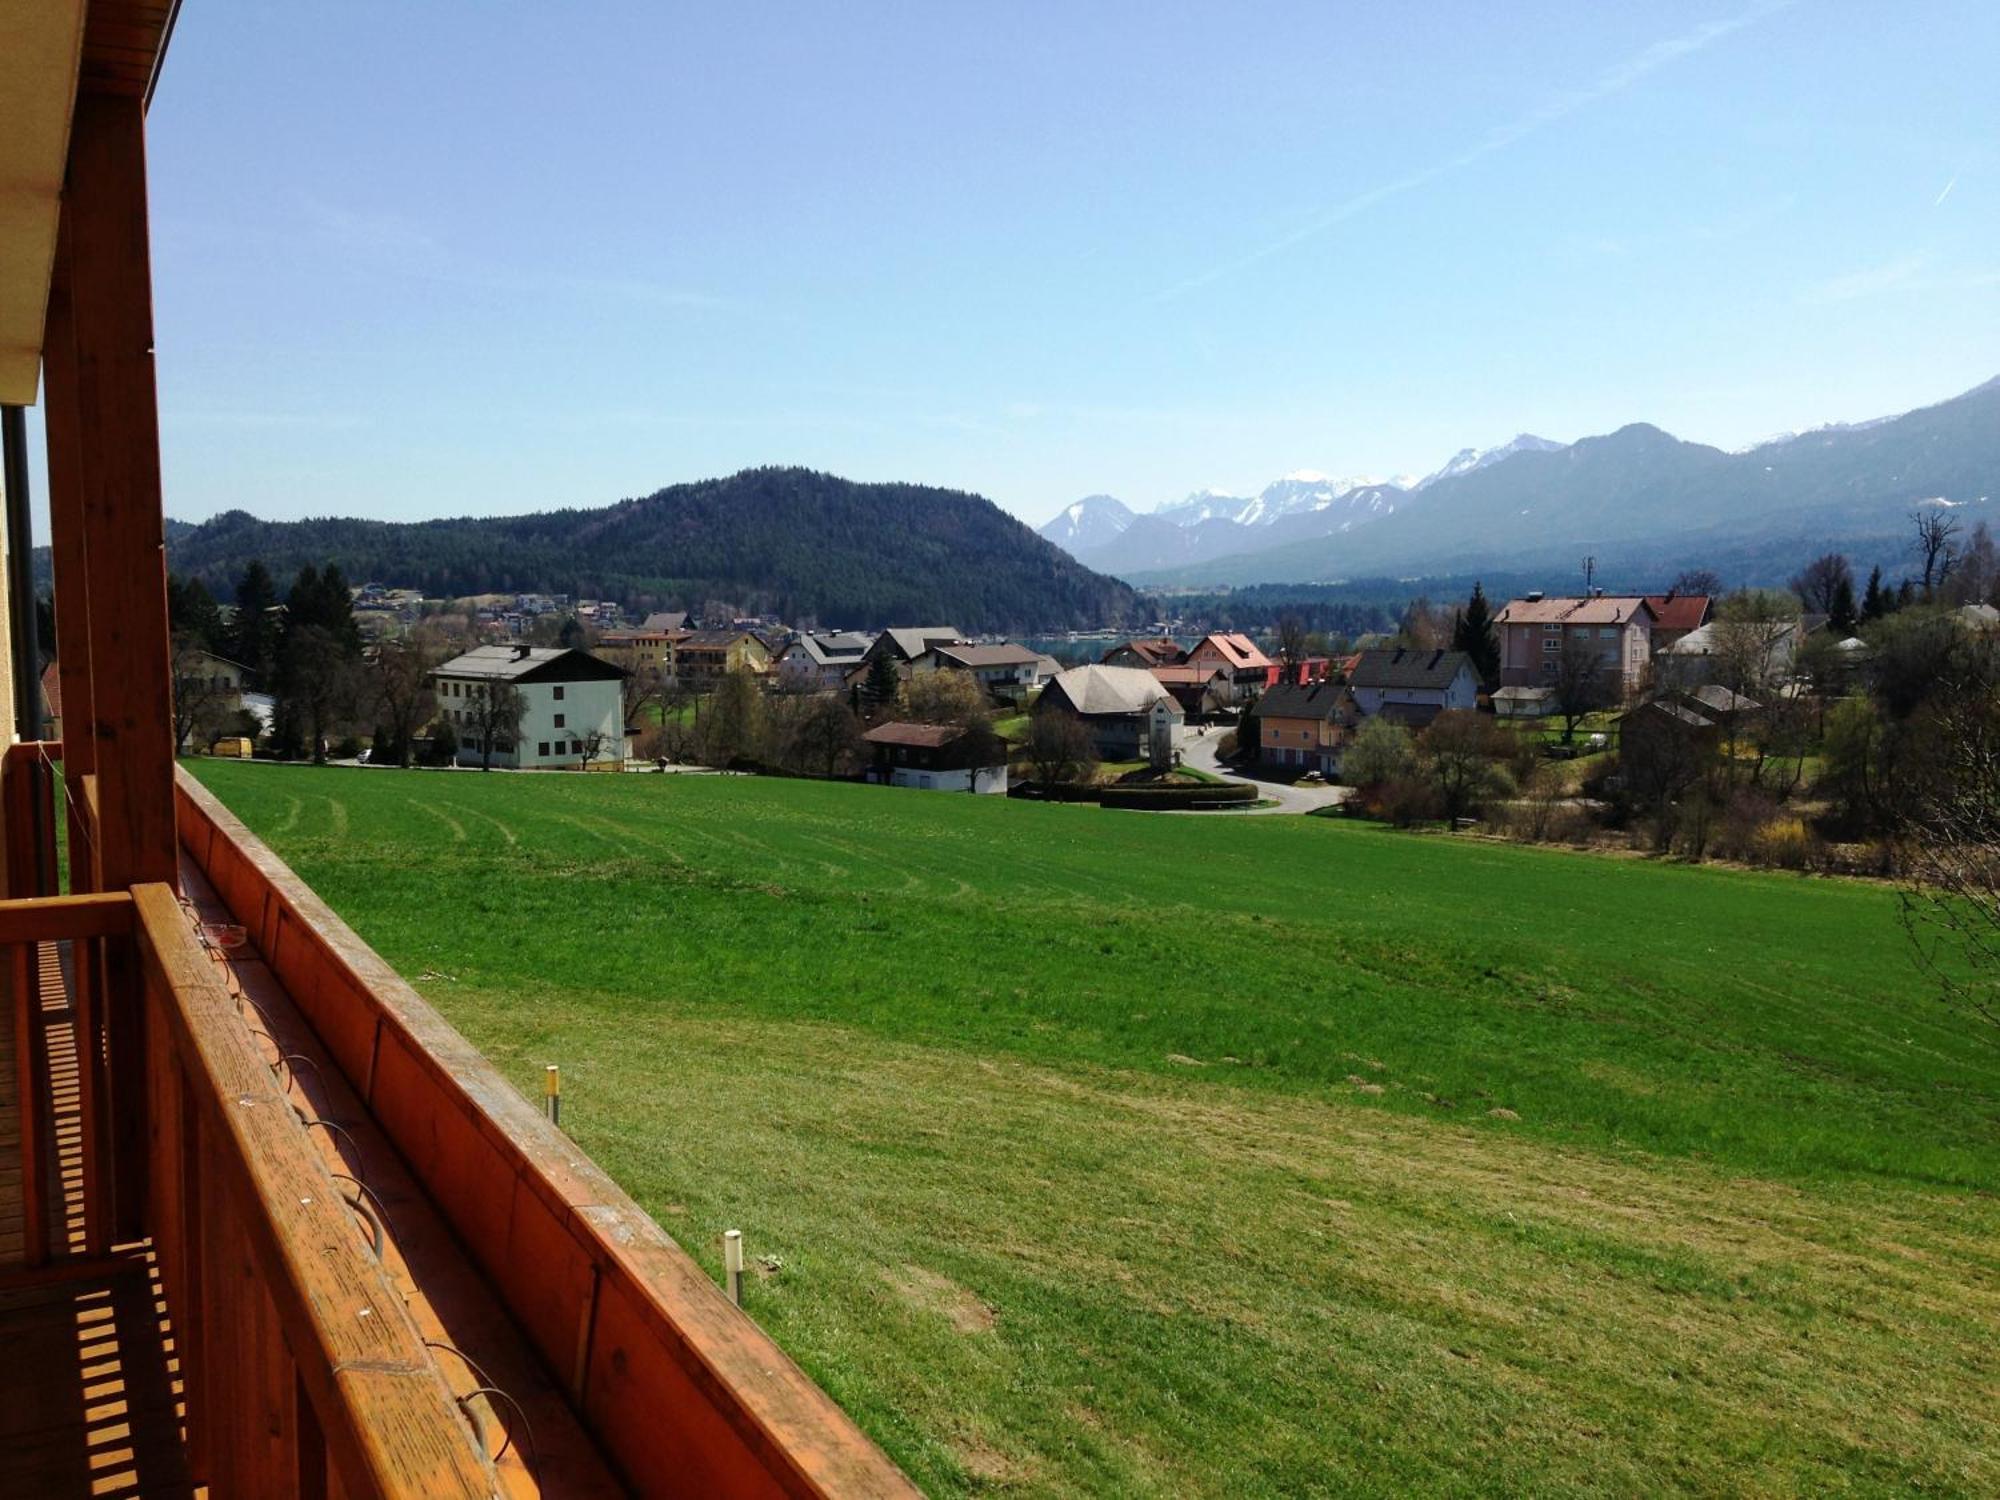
x=221, y=940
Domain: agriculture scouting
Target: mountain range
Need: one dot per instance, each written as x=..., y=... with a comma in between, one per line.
x=800, y=544
x=1639, y=500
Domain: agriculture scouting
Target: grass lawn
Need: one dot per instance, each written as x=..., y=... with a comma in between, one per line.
x=1273, y=1156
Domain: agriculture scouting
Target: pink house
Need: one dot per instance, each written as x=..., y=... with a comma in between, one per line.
x=1534, y=631
x=1248, y=669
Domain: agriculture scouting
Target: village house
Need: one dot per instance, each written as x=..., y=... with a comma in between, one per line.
x=1250, y=671
x=1007, y=672
x=1674, y=615
x=1155, y=651
x=1751, y=652
x=1534, y=631
x=936, y=758
x=705, y=657
x=572, y=706
x=1200, y=691
x=1130, y=716
x=641, y=650
x=904, y=644
x=1305, y=725
x=822, y=659
x=1411, y=686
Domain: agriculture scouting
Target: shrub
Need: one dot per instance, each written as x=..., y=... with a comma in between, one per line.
x=1382, y=751
x=1783, y=843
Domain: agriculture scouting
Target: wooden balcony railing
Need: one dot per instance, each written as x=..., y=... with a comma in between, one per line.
x=335, y=1336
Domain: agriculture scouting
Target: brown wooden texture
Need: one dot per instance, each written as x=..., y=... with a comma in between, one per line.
x=684, y=1391
x=284, y=1276
x=30, y=1105
x=111, y=333
x=58, y=918
x=547, y=1452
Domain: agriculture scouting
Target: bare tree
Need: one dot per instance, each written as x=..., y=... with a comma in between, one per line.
x=1291, y=640
x=1462, y=753
x=1580, y=685
x=1059, y=747
x=495, y=714
x=1951, y=894
x=1937, y=532
x=591, y=742
x=404, y=698
x=827, y=734
x=645, y=687
x=201, y=695
x=1822, y=583
x=1696, y=581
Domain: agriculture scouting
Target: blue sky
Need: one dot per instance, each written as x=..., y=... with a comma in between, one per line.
x=423, y=258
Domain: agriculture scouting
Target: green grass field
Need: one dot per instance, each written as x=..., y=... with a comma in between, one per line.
x=1100, y=1152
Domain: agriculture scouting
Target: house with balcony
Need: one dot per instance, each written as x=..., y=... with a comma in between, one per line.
x=1304, y=726
x=1248, y=669
x=821, y=660
x=269, y=1225
x=1007, y=672
x=644, y=650
x=705, y=657
x=936, y=758
x=1534, y=631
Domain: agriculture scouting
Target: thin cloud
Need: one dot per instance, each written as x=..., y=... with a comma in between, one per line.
x=1947, y=191
x=1896, y=275
x=1613, y=81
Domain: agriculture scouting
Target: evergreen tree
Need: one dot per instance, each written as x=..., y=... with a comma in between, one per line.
x=883, y=685
x=1874, y=603
x=193, y=615
x=1472, y=632
x=1842, y=615
x=253, y=634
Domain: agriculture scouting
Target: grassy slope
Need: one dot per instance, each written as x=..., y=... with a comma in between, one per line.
x=1135, y=1154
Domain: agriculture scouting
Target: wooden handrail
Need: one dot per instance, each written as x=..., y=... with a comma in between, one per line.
x=54, y=919
x=300, y=1354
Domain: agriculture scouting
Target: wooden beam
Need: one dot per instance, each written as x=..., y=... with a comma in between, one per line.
x=49, y=919
x=68, y=543
x=124, y=562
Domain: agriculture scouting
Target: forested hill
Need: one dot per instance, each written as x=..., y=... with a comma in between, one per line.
x=790, y=541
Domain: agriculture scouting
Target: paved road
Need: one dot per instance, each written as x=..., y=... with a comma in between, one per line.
x=1198, y=751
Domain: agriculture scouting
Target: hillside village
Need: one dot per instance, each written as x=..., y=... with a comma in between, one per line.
x=1687, y=719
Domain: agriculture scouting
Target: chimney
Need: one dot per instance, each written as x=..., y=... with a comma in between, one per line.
x=521, y=651
x=1534, y=596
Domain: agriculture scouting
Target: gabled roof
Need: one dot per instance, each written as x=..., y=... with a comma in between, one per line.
x=719, y=640
x=1604, y=609
x=1186, y=674
x=987, y=656
x=912, y=641
x=666, y=619
x=1154, y=651
x=1433, y=670
x=831, y=648
x=1236, y=648
x=1679, y=611
x=1321, y=701
x=919, y=736
x=1108, y=690
x=529, y=664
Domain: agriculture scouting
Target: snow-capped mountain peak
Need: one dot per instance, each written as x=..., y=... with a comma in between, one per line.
x=1093, y=521
x=1467, y=459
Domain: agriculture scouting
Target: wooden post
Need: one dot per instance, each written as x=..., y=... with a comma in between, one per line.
x=106, y=507
x=552, y=1094
x=732, y=1264
x=30, y=1087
